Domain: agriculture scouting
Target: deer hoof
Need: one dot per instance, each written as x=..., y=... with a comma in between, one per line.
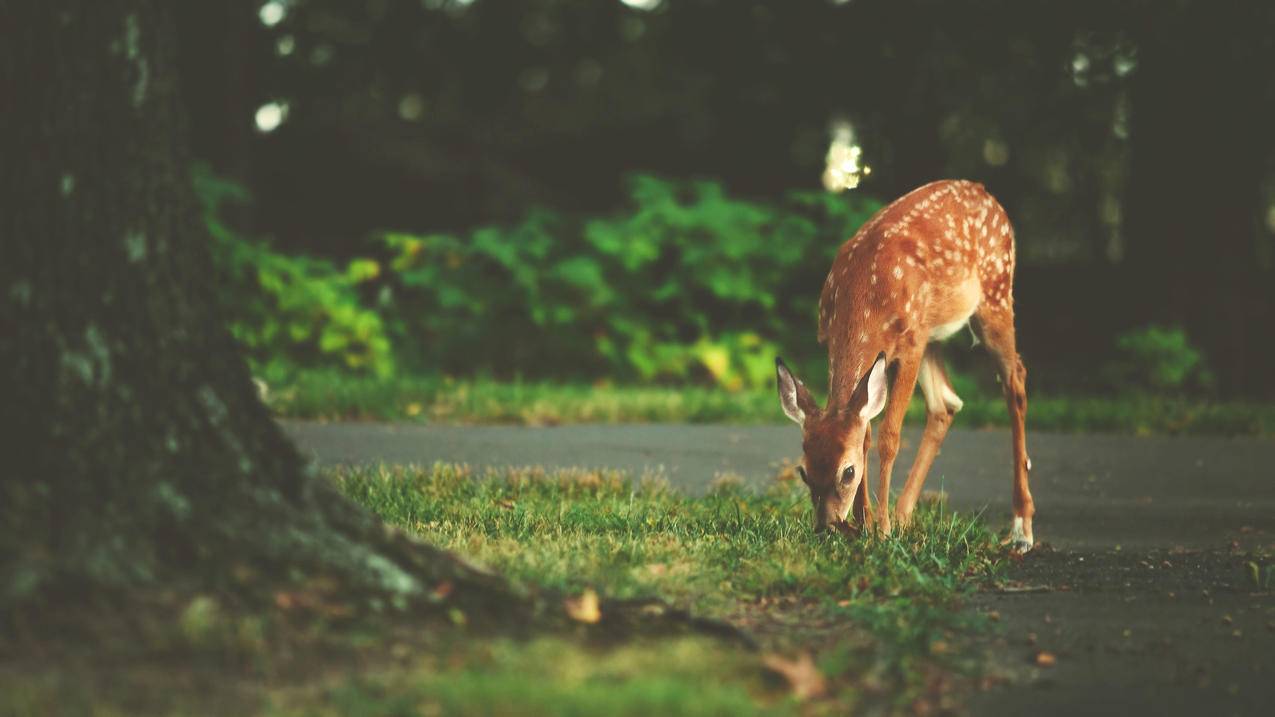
x=1018, y=540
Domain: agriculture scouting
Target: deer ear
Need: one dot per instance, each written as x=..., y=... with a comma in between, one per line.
x=872, y=390
x=793, y=396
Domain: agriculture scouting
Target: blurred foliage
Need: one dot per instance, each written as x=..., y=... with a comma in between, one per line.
x=1086, y=120
x=686, y=283
x=290, y=311
x=1157, y=358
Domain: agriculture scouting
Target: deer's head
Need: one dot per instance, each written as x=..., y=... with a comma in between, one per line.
x=832, y=440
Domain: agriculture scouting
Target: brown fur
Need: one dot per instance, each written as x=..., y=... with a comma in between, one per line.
x=925, y=263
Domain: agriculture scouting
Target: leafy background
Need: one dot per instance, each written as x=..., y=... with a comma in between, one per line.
x=685, y=285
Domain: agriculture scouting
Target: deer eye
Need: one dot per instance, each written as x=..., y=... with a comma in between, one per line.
x=801, y=471
x=847, y=475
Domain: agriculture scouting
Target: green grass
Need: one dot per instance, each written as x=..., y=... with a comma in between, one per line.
x=882, y=617
x=335, y=396
x=553, y=676
x=870, y=624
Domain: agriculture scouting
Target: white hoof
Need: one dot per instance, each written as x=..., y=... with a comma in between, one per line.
x=1018, y=539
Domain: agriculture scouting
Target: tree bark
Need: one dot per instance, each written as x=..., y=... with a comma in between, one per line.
x=136, y=450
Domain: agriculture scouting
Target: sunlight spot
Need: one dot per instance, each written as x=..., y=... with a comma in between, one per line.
x=285, y=45
x=1124, y=65
x=646, y=5
x=995, y=152
x=843, y=166
x=272, y=13
x=1080, y=69
x=271, y=115
x=411, y=107
x=135, y=246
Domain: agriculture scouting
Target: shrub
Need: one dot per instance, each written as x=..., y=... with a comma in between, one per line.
x=290, y=311
x=1157, y=358
x=686, y=284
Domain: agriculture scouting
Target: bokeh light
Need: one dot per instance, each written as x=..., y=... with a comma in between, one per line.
x=844, y=168
x=270, y=115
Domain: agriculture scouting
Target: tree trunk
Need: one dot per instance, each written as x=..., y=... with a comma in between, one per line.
x=136, y=449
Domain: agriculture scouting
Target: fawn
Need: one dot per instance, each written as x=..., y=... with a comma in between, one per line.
x=912, y=276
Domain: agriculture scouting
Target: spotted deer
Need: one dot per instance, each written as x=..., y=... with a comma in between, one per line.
x=912, y=276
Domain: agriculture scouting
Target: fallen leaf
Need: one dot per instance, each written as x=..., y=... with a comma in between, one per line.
x=802, y=676
x=443, y=590
x=584, y=608
x=1046, y=659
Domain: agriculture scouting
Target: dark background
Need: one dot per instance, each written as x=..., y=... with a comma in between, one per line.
x=1130, y=141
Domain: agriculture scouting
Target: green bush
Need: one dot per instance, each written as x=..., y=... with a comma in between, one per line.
x=286, y=311
x=686, y=284
x=1159, y=359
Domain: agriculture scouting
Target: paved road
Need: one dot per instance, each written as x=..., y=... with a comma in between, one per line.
x=1140, y=584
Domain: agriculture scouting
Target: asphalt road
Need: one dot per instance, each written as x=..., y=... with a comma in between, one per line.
x=1138, y=588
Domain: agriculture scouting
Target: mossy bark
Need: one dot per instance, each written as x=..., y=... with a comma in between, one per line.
x=136, y=451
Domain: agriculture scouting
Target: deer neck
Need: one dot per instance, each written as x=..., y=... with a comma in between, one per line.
x=849, y=361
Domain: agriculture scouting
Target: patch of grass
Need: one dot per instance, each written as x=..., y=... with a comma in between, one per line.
x=881, y=616
x=553, y=676
x=336, y=396
x=333, y=396
x=865, y=625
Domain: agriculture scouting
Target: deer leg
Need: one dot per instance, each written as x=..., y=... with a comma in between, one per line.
x=998, y=333
x=941, y=404
x=862, y=510
x=900, y=394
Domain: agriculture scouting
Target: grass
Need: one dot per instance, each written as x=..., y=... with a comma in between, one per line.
x=549, y=676
x=872, y=624
x=333, y=396
x=881, y=617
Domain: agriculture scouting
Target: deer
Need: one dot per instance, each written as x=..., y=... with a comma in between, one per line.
x=923, y=267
